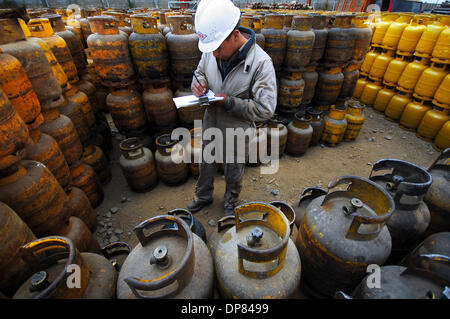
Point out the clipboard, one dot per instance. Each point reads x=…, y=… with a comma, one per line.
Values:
x=189, y=100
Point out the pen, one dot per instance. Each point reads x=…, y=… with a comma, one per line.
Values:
x=193, y=72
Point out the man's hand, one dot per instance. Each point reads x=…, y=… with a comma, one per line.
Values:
x=199, y=89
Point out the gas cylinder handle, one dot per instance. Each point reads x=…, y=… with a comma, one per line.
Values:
x=182, y=212
x=311, y=193
x=44, y=252
x=225, y=223
x=445, y=154
x=415, y=270
x=287, y=210
x=275, y=220
x=371, y=195
x=111, y=249
x=130, y=145
x=181, y=274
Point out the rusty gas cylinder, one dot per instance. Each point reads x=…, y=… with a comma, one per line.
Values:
x=138, y=165
x=194, y=224
x=432, y=254
x=355, y=120
x=14, y=136
x=290, y=92
x=340, y=41
x=254, y=23
x=299, y=134
x=407, y=185
x=14, y=233
x=94, y=157
x=148, y=48
x=351, y=75
x=182, y=45
x=50, y=258
x=299, y=45
x=108, y=49
x=329, y=85
x=167, y=251
x=275, y=39
x=305, y=198
x=159, y=107
x=363, y=35
x=81, y=206
x=73, y=94
x=78, y=232
x=33, y=192
x=316, y=123
x=73, y=111
x=194, y=151
x=335, y=126
x=259, y=236
x=84, y=177
x=33, y=60
x=289, y=213
x=276, y=132
x=345, y=231
x=188, y=114
x=41, y=28
x=310, y=76
x=74, y=43
x=127, y=111
x=320, y=36
x=44, y=148
x=15, y=84
x=62, y=129
x=171, y=168
x=438, y=196
x=88, y=88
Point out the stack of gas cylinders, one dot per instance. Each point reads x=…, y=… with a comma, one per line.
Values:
x=405, y=74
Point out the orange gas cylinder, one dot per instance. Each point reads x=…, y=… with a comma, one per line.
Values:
x=84, y=177
x=355, y=120
x=428, y=39
x=394, y=32
x=14, y=134
x=380, y=30
x=368, y=61
x=94, y=157
x=44, y=149
x=78, y=232
x=442, y=95
x=335, y=126
x=394, y=69
x=429, y=81
x=14, y=233
x=359, y=87
x=413, y=114
x=369, y=93
x=80, y=98
x=380, y=65
x=81, y=206
x=383, y=98
x=32, y=191
x=432, y=122
x=411, y=75
x=41, y=28
x=442, y=139
x=15, y=84
x=410, y=37
x=397, y=105
x=73, y=111
x=159, y=106
x=441, y=51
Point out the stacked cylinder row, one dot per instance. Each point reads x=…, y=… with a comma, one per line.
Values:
x=405, y=75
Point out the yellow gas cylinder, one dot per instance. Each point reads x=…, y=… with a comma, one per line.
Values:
x=396, y=106
x=442, y=139
x=432, y=122
x=429, y=37
x=369, y=93
x=382, y=99
x=411, y=75
x=381, y=28
x=394, y=32
x=441, y=51
x=442, y=95
x=359, y=87
x=414, y=113
x=394, y=69
x=410, y=37
x=367, y=63
x=429, y=81
x=380, y=65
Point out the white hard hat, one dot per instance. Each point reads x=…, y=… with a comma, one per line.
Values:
x=214, y=21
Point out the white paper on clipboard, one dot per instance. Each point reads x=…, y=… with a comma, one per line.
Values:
x=189, y=100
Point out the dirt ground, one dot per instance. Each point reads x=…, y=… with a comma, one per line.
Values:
x=378, y=139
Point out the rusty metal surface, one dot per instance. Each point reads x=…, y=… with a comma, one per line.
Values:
x=80, y=235
x=84, y=177
x=169, y=172
x=81, y=206
x=300, y=43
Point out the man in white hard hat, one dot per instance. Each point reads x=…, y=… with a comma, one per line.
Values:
x=235, y=67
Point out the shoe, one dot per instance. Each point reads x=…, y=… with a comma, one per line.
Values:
x=228, y=211
x=195, y=205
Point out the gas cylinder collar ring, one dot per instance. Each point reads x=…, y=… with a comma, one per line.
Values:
x=160, y=257
x=355, y=204
x=255, y=237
